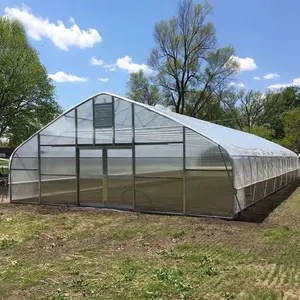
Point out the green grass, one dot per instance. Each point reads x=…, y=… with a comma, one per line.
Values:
x=63, y=253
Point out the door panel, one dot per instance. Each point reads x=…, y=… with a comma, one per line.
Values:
x=120, y=178
x=91, y=177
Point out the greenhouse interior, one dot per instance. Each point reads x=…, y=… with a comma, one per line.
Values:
x=112, y=152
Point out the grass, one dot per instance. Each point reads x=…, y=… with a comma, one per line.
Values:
x=70, y=253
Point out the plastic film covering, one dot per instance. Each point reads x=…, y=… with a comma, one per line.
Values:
x=60, y=132
x=123, y=121
x=91, y=177
x=120, y=178
x=150, y=127
x=159, y=160
x=24, y=186
x=159, y=194
x=24, y=172
x=85, y=123
x=208, y=187
x=58, y=175
x=58, y=189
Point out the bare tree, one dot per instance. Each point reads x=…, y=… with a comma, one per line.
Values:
x=186, y=59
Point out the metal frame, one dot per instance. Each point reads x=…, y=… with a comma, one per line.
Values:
x=133, y=154
x=77, y=160
x=39, y=167
x=110, y=144
x=94, y=132
x=184, y=170
x=113, y=120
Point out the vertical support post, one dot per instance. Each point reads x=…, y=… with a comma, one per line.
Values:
x=94, y=133
x=113, y=120
x=265, y=190
x=231, y=181
x=133, y=155
x=105, y=179
x=184, y=168
x=77, y=153
x=39, y=167
x=10, y=181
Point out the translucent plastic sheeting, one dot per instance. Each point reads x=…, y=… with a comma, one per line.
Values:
x=209, y=193
x=85, y=123
x=61, y=131
x=58, y=160
x=58, y=190
x=119, y=162
x=91, y=177
x=123, y=121
x=250, y=170
x=159, y=194
x=235, y=142
x=202, y=153
x=159, y=160
x=28, y=149
x=152, y=127
x=24, y=163
x=25, y=186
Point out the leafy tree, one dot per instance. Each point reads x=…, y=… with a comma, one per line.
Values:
x=264, y=132
x=26, y=93
x=186, y=58
x=141, y=89
x=291, y=121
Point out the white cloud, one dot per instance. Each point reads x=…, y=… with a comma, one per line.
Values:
x=246, y=64
x=96, y=62
x=63, y=37
x=277, y=86
x=271, y=76
x=240, y=84
x=256, y=78
x=102, y=79
x=110, y=67
x=125, y=63
x=63, y=77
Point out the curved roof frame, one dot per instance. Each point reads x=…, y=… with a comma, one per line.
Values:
x=171, y=116
x=148, y=107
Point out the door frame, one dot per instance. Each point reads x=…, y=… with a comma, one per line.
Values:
x=105, y=174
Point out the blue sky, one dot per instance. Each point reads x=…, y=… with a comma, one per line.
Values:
x=263, y=32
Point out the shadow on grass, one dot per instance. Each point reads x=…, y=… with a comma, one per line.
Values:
x=260, y=210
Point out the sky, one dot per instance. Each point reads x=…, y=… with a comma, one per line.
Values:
x=92, y=46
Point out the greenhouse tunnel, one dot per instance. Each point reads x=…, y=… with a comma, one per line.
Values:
x=112, y=152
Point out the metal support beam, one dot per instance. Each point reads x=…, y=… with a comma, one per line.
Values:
x=94, y=133
x=77, y=153
x=133, y=155
x=39, y=166
x=105, y=176
x=184, y=168
x=113, y=120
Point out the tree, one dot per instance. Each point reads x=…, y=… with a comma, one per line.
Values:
x=26, y=93
x=291, y=121
x=186, y=59
x=141, y=89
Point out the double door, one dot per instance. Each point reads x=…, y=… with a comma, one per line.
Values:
x=106, y=177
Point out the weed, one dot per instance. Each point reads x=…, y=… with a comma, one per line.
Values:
x=7, y=243
x=278, y=235
x=60, y=295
